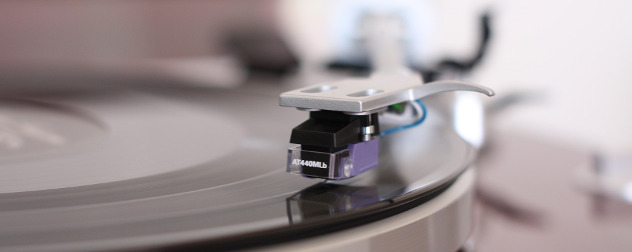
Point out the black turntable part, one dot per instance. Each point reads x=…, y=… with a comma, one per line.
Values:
x=355, y=68
x=469, y=64
x=327, y=129
x=315, y=227
x=430, y=73
x=262, y=50
x=316, y=171
x=328, y=198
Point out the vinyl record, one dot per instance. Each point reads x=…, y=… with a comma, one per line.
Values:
x=123, y=168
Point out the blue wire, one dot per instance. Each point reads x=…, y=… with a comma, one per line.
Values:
x=403, y=127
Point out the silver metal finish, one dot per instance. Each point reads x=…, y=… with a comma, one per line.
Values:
x=391, y=82
x=348, y=169
x=367, y=112
x=368, y=130
x=367, y=94
x=367, y=133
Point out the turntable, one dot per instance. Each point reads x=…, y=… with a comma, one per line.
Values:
x=126, y=164
x=144, y=168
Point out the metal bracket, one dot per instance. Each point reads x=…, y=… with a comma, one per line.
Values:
x=359, y=95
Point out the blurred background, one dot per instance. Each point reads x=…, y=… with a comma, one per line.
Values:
x=573, y=56
x=561, y=70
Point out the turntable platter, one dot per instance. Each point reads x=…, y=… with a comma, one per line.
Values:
x=145, y=168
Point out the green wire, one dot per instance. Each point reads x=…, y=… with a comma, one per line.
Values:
x=398, y=107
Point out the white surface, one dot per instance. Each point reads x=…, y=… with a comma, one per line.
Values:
x=578, y=55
